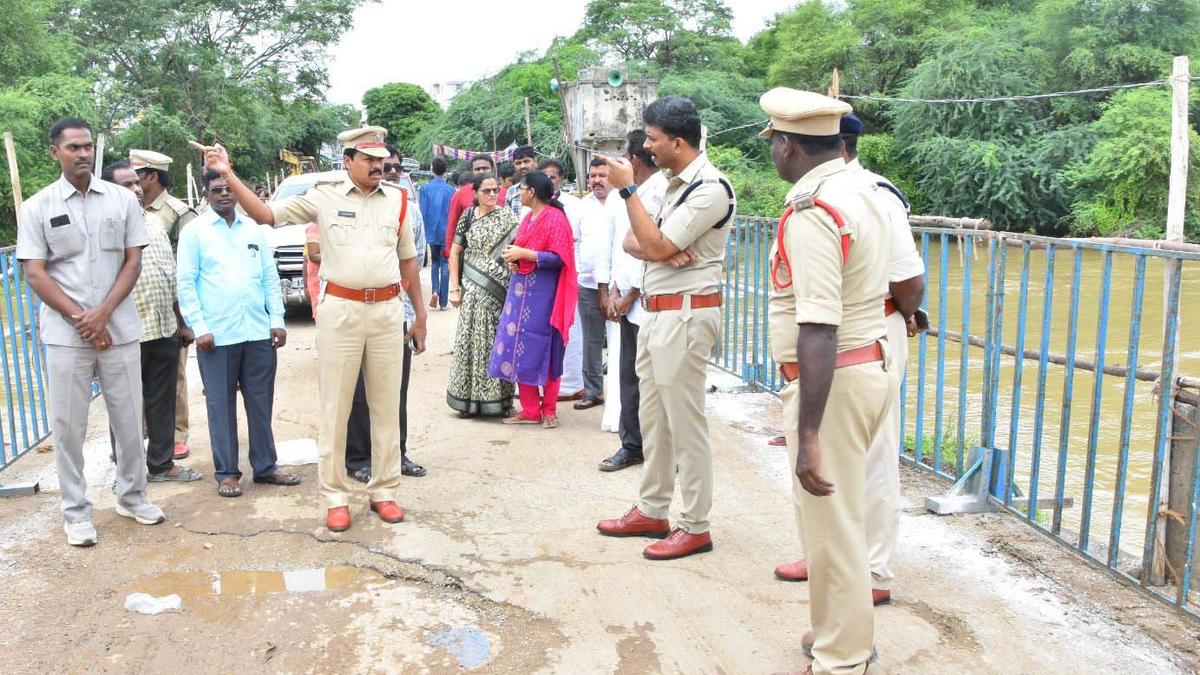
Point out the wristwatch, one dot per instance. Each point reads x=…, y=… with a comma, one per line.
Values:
x=627, y=191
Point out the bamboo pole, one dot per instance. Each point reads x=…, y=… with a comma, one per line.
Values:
x=191, y=187
x=99, y=166
x=14, y=174
x=528, y=126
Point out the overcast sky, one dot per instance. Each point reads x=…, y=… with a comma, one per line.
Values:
x=444, y=40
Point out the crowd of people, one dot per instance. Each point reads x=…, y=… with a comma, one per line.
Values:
x=544, y=284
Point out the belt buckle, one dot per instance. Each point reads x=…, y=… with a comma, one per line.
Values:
x=369, y=296
x=645, y=301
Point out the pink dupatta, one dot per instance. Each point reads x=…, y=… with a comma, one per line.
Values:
x=551, y=232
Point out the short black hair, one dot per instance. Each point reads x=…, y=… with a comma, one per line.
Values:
x=524, y=152
x=439, y=166
x=164, y=178
x=554, y=163
x=393, y=152
x=111, y=169
x=596, y=161
x=637, y=147
x=851, y=143
x=506, y=170
x=677, y=117
x=210, y=176
x=478, y=179
x=57, y=129
x=349, y=153
x=814, y=145
x=487, y=158
x=464, y=177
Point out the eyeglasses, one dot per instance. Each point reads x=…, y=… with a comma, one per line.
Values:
x=219, y=191
x=388, y=168
x=488, y=191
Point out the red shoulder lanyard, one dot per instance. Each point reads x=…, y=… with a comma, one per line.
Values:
x=781, y=256
x=403, y=209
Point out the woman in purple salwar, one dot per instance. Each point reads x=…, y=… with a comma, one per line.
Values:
x=540, y=305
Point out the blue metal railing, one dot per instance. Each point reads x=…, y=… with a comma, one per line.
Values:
x=1109, y=461
x=23, y=419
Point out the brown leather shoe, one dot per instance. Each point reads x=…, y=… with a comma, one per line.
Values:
x=793, y=571
x=389, y=512
x=678, y=544
x=634, y=524
x=880, y=597
x=337, y=519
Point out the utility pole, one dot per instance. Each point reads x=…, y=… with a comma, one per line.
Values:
x=528, y=126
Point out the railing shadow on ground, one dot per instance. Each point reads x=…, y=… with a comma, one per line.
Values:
x=1014, y=340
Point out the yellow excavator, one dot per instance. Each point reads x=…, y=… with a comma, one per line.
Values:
x=298, y=164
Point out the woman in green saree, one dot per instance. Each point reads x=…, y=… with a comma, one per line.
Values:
x=478, y=284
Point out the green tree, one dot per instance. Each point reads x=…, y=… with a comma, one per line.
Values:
x=1123, y=183
x=405, y=110
x=666, y=33
x=813, y=39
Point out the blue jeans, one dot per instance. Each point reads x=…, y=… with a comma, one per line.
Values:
x=439, y=274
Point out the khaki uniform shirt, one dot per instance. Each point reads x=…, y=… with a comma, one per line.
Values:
x=690, y=226
x=360, y=245
x=82, y=238
x=822, y=290
x=905, y=262
x=172, y=213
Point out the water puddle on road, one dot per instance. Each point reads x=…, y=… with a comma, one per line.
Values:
x=240, y=583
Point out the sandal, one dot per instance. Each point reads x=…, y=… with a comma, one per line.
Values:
x=184, y=475
x=229, y=488
x=411, y=468
x=362, y=475
x=520, y=418
x=588, y=403
x=550, y=423
x=279, y=478
x=621, y=459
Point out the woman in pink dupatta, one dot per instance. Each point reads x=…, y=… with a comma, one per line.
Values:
x=539, y=306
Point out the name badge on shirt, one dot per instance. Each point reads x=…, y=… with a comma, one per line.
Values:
x=345, y=214
x=59, y=221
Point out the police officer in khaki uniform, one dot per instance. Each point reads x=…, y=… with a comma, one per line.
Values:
x=367, y=260
x=152, y=170
x=906, y=287
x=684, y=249
x=828, y=281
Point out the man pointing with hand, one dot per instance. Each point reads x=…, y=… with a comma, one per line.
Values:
x=367, y=260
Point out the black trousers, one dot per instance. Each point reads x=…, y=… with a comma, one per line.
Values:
x=630, y=427
x=358, y=427
x=160, y=365
x=249, y=367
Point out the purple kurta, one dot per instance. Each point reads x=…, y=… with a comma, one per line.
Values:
x=528, y=349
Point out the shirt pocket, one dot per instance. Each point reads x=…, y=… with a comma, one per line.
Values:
x=386, y=235
x=112, y=234
x=341, y=233
x=65, y=241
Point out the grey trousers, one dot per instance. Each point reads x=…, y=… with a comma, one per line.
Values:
x=594, y=332
x=69, y=375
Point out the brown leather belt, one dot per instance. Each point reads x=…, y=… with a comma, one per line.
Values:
x=790, y=370
x=670, y=303
x=889, y=307
x=367, y=295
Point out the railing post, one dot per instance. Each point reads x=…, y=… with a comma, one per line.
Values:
x=1179, y=486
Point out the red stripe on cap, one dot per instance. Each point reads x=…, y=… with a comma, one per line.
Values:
x=360, y=146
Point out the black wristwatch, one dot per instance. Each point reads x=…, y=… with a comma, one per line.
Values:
x=627, y=191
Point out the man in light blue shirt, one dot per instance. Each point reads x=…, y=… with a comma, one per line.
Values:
x=229, y=297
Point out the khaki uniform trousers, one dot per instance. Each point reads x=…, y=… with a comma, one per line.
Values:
x=833, y=527
x=673, y=352
x=181, y=398
x=882, y=467
x=353, y=335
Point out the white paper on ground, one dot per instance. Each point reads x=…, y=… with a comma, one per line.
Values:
x=144, y=603
x=296, y=452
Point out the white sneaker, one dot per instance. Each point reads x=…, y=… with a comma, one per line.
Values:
x=81, y=533
x=145, y=513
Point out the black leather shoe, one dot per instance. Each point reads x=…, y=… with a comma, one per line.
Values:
x=622, y=459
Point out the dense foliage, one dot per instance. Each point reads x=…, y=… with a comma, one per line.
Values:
x=252, y=74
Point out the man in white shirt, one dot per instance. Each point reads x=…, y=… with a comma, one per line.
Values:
x=624, y=297
x=593, y=262
x=572, y=377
